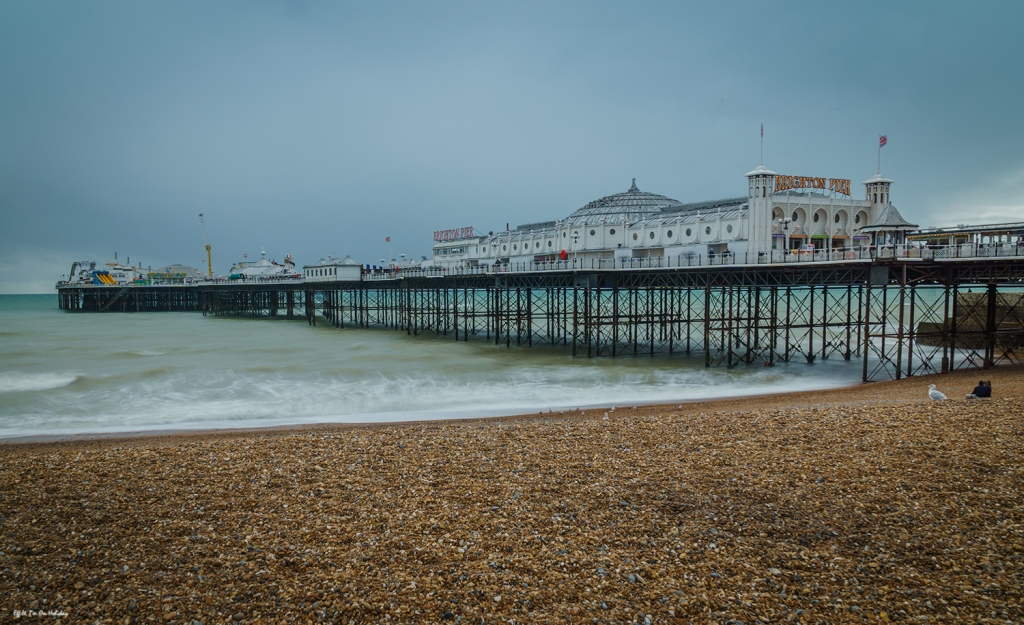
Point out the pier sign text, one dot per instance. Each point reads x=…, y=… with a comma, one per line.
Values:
x=455, y=233
x=838, y=185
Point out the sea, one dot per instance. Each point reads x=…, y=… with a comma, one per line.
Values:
x=64, y=374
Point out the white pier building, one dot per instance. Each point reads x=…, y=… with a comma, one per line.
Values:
x=778, y=212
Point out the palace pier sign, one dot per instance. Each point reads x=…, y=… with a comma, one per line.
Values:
x=838, y=185
x=453, y=234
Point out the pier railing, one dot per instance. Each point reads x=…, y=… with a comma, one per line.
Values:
x=774, y=257
x=725, y=259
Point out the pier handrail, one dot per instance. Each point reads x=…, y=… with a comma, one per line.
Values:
x=726, y=259
x=773, y=257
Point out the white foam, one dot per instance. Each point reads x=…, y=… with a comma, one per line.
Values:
x=26, y=382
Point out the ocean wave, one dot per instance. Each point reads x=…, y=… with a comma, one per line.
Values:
x=27, y=382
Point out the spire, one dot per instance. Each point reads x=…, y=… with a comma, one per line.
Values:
x=762, y=145
x=633, y=188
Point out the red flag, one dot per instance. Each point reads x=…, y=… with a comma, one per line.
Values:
x=882, y=140
x=245, y=256
x=387, y=239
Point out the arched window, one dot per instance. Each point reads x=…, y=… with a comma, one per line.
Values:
x=764, y=192
x=795, y=216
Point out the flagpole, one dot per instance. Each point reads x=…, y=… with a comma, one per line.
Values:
x=879, y=154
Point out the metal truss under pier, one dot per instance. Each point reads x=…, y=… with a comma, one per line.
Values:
x=900, y=318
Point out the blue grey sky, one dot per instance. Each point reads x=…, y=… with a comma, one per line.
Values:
x=322, y=128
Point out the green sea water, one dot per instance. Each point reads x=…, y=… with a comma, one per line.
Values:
x=70, y=373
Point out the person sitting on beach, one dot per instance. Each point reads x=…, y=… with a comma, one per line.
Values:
x=980, y=391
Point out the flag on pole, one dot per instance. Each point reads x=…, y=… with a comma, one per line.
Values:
x=387, y=239
x=245, y=256
x=882, y=140
x=762, y=130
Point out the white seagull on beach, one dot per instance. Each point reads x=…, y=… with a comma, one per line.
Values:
x=934, y=394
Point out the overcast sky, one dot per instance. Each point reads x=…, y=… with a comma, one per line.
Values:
x=322, y=128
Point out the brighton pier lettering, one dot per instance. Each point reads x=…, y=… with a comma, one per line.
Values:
x=455, y=233
x=838, y=185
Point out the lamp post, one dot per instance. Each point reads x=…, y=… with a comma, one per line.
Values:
x=575, y=239
x=784, y=222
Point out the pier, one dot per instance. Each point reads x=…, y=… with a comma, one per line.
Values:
x=899, y=316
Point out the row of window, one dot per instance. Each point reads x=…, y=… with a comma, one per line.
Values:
x=669, y=234
x=319, y=273
x=817, y=217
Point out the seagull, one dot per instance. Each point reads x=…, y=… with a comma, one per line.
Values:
x=934, y=394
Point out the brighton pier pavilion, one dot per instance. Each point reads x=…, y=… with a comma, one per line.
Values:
x=779, y=214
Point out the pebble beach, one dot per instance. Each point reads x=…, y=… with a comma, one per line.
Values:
x=868, y=504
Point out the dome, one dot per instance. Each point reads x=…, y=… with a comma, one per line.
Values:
x=633, y=204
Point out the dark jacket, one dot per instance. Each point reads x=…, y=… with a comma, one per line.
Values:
x=982, y=391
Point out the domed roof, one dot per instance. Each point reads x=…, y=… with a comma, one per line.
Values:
x=633, y=204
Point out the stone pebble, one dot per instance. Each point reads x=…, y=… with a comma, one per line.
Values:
x=543, y=520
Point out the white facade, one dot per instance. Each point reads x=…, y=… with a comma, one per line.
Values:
x=637, y=224
x=333, y=270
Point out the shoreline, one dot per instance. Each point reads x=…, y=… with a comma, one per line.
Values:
x=955, y=385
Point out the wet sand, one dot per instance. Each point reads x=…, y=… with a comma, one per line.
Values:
x=863, y=504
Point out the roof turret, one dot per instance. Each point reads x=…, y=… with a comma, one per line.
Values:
x=878, y=178
x=889, y=219
x=761, y=170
